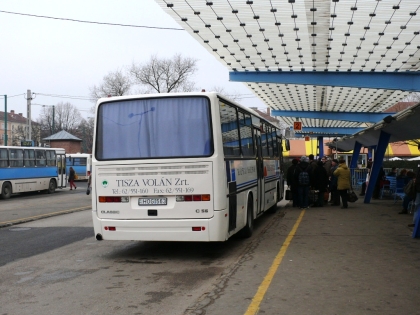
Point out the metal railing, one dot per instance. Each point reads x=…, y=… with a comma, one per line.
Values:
x=358, y=177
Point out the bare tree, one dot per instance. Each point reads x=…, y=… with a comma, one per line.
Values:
x=114, y=84
x=85, y=132
x=67, y=117
x=165, y=75
x=21, y=132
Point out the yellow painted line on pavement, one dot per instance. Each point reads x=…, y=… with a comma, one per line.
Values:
x=262, y=289
x=46, y=215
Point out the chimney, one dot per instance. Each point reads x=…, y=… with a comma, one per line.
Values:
x=12, y=112
x=269, y=111
x=20, y=114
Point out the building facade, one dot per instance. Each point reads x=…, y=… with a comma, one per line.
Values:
x=17, y=129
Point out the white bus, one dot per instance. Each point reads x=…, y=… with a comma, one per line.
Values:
x=182, y=167
x=81, y=163
x=24, y=169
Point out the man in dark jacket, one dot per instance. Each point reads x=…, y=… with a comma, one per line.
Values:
x=303, y=177
x=320, y=183
x=292, y=183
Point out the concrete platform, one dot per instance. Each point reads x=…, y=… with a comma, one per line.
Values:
x=360, y=260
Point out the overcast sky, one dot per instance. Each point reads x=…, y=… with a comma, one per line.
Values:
x=58, y=57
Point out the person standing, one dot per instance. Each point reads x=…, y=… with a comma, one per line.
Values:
x=312, y=162
x=343, y=181
x=320, y=183
x=327, y=164
x=292, y=183
x=379, y=183
x=335, y=196
x=72, y=176
x=303, y=177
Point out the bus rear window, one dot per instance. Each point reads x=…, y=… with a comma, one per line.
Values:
x=154, y=128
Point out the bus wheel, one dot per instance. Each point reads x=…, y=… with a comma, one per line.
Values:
x=51, y=187
x=6, y=191
x=249, y=227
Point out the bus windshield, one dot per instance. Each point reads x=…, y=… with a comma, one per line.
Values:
x=154, y=128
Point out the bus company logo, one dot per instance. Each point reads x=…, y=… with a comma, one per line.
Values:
x=105, y=183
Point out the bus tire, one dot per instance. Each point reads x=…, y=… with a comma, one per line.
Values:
x=6, y=190
x=249, y=227
x=51, y=186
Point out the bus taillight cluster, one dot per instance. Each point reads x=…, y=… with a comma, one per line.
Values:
x=193, y=198
x=112, y=199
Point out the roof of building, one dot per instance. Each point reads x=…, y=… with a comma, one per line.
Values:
x=14, y=118
x=62, y=135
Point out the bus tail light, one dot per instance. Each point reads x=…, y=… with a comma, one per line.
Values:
x=182, y=198
x=110, y=228
x=112, y=199
x=198, y=228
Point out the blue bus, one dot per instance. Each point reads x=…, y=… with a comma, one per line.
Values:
x=81, y=163
x=24, y=169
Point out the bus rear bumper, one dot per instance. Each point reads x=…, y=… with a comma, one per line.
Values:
x=214, y=229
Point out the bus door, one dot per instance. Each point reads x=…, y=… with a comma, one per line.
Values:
x=260, y=173
x=61, y=166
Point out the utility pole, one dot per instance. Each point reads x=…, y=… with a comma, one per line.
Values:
x=5, y=120
x=28, y=110
x=53, y=120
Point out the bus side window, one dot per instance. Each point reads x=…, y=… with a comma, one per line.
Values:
x=16, y=157
x=40, y=157
x=264, y=140
x=51, y=160
x=245, y=130
x=230, y=132
x=3, y=158
x=269, y=141
x=29, y=158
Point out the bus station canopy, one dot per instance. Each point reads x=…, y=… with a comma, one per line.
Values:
x=401, y=126
x=312, y=56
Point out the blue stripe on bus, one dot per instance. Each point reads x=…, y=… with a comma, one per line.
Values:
x=251, y=182
x=10, y=173
x=271, y=177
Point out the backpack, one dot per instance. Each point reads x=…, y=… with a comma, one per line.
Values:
x=303, y=178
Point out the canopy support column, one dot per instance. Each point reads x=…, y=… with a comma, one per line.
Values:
x=320, y=146
x=377, y=163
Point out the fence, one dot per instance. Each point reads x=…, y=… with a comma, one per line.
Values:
x=358, y=177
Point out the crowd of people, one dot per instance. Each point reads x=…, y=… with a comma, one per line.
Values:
x=318, y=182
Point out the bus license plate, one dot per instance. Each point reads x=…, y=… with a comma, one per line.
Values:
x=152, y=201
